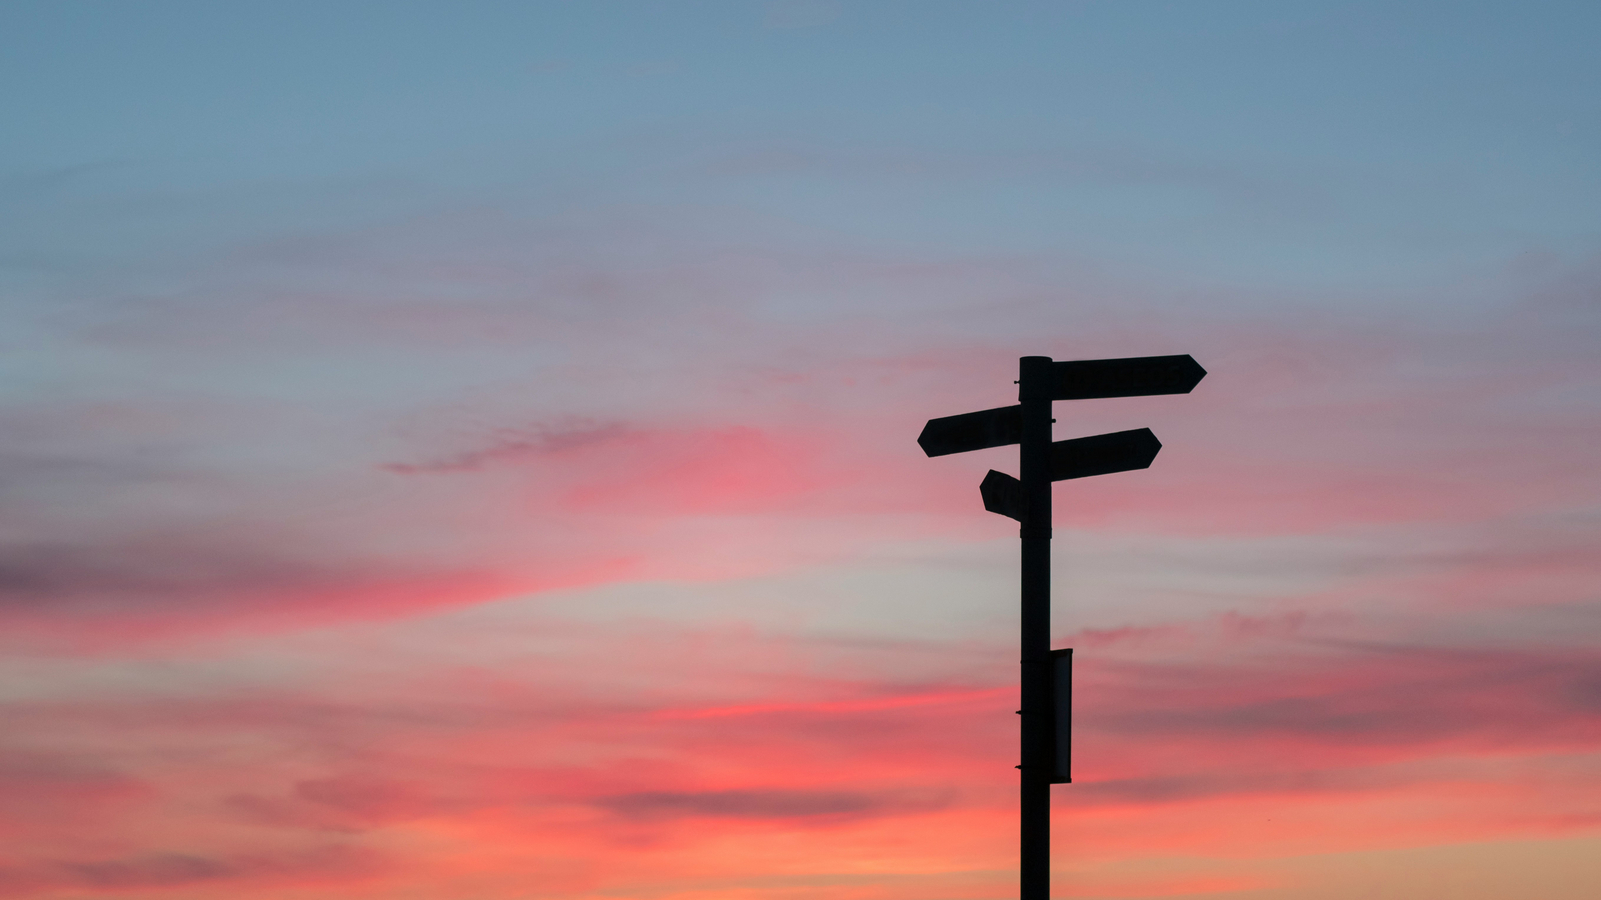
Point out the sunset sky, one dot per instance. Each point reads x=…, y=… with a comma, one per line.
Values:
x=466, y=451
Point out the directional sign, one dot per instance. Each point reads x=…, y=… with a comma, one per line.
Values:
x=1002, y=494
x=1103, y=454
x=1137, y=376
x=972, y=431
x=1047, y=676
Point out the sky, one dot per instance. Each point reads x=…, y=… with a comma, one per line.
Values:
x=467, y=451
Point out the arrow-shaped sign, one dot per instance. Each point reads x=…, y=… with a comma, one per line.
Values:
x=1137, y=376
x=1002, y=494
x=972, y=431
x=1101, y=454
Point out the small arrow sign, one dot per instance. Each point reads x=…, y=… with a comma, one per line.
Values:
x=1002, y=494
x=1103, y=454
x=1137, y=376
x=972, y=431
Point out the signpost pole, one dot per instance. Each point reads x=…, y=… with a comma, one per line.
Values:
x=1034, y=395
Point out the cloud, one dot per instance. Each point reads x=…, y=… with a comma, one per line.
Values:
x=657, y=471
x=98, y=596
x=321, y=865
x=514, y=445
x=49, y=795
x=744, y=804
x=1348, y=698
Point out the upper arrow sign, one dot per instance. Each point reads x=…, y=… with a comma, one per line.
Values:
x=1138, y=376
x=972, y=431
x=1103, y=454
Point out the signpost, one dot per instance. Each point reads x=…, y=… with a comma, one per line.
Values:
x=1047, y=675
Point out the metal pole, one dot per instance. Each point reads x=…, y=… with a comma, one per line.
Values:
x=1034, y=393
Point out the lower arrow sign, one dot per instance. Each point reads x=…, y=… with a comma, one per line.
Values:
x=1002, y=494
x=1101, y=454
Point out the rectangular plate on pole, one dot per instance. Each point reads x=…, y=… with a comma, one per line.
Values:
x=1103, y=454
x=1137, y=376
x=1061, y=716
x=972, y=431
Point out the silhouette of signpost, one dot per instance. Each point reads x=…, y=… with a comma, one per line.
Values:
x=1047, y=676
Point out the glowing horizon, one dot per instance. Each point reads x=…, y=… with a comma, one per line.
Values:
x=468, y=453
